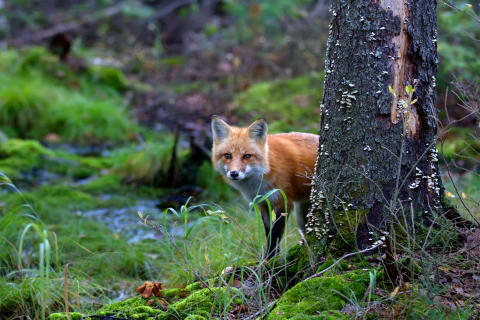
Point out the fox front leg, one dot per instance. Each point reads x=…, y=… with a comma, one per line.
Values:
x=273, y=229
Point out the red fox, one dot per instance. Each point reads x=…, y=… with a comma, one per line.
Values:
x=254, y=162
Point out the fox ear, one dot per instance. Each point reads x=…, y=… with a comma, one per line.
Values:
x=220, y=129
x=258, y=131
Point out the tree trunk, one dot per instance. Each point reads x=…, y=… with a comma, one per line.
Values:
x=377, y=160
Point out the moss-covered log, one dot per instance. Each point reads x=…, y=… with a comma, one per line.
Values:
x=377, y=159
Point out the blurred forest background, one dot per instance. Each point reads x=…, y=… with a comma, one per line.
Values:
x=105, y=112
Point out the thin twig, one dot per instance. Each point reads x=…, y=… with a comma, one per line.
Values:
x=93, y=18
x=351, y=254
x=262, y=311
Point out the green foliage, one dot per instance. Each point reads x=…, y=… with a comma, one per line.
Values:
x=464, y=193
x=20, y=109
x=212, y=182
x=286, y=104
x=112, y=77
x=151, y=162
x=202, y=302
x=457, y=46
x=460, y=144
x=262, y=17
x=42, y=96
x=18, y=155
x=421, y=304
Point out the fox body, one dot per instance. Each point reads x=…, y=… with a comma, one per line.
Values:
x=254, y=162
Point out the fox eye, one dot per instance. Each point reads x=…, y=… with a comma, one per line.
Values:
x=228, y=156
x=247, y=156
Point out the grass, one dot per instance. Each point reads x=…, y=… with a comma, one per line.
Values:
x=287, y=104
x=102, y=262
x=46, y=226
x=41, y=96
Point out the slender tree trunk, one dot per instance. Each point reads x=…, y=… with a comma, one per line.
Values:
x=377, y=160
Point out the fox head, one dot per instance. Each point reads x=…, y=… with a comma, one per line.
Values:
x=240, y=153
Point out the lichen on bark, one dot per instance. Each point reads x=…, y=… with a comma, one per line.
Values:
x=370, y=163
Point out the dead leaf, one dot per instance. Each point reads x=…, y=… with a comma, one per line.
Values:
x=241, y=308
x=150, y=288
x=236, y=283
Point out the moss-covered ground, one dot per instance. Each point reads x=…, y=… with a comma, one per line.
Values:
x=84, y=210
x=73, y=177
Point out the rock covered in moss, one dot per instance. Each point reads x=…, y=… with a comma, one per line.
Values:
x=203, y=302
x=113, y=77
x=315, y=298
x=23, y=148
x=183, y=304
x=63, y=316
x=18, y=155
x=135, y=308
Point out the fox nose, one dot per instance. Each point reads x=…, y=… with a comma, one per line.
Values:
x=234, y=174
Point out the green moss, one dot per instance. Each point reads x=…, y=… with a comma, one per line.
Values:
x=292, y=267
x=194, y=286
x=109, y=183
x=79, y=173
x=195, y=317
x=17, y=156
x=135, y=308
x=113, y=77
x=198, y=304
x=63, y=316
x=22, y=148
x=310, y=297
x=346, y=224
x=38, y=58
x=175, y=293
x=202, y=302
x=288, y=104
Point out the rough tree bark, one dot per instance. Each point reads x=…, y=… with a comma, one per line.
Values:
x=377, y=158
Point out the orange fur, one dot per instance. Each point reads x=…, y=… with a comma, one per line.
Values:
x=278, y=161
x=255, y=163
x=292, y=159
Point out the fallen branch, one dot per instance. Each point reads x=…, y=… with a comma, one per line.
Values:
x=69, y=26
x=90, y=19
x=262, y=311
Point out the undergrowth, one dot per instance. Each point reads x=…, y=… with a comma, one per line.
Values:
x=40, y=96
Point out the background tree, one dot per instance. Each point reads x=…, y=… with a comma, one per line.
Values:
x=377, y=160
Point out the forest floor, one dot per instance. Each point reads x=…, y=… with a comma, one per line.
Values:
x=89, y=180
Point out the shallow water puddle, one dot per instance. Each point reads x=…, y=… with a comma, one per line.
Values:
x=125, y=221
